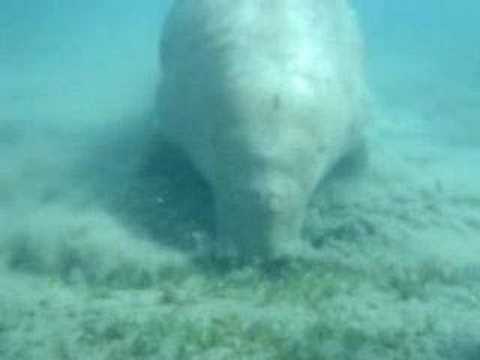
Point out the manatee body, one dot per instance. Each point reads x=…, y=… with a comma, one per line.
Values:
x=265, y=97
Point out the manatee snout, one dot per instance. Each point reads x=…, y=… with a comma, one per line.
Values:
x=261, y=219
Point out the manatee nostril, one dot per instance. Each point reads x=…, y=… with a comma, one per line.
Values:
x=270, y=201
x=276, y=103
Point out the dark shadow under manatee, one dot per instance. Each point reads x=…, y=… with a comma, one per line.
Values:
x=350, y=166
x=148, y=184
x=167, y=199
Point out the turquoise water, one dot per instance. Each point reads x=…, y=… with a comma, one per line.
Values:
x=103, y=227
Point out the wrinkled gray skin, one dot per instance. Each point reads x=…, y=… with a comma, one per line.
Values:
x=265, y=96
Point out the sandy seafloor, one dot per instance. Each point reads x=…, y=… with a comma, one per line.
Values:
x=97, y=235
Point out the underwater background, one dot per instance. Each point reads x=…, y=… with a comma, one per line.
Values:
x=99, y=222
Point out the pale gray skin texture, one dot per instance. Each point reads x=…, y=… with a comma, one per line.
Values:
x=265, y=96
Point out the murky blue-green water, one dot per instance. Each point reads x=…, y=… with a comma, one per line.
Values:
x=103, y=228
